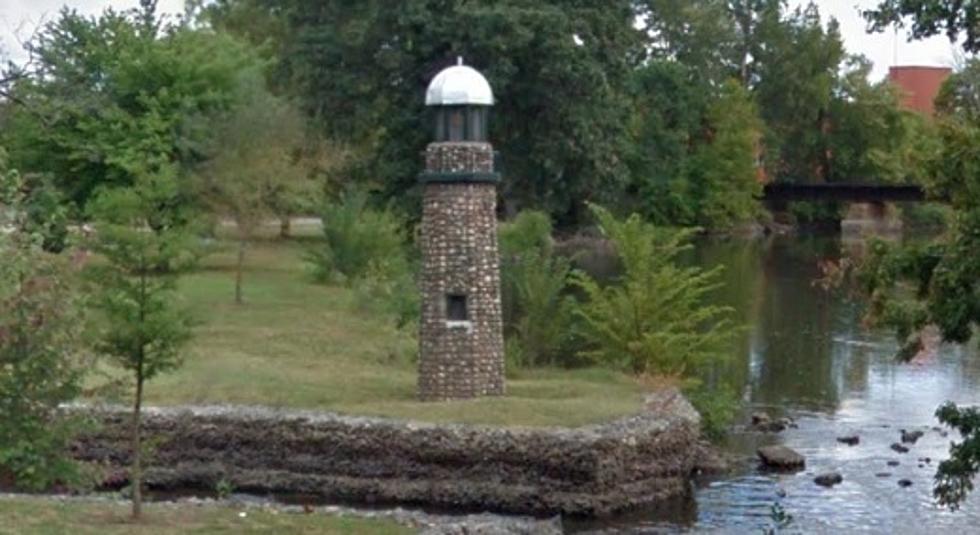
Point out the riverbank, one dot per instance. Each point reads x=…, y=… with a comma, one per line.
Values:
x=593, y=470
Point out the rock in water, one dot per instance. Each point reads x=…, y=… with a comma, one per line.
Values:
x=762, y=422
x=829, y=479
x=899, y=448
x=850, y=440
x=883, y=474
x=911, y=437
x=893, y=463
x=780, y=457
x=904, y=482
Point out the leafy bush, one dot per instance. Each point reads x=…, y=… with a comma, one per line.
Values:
x=356, y=237
x=529, y=231
x=536, y=304
x=652, y=319
x=40, y=366
x=716, y=405
x=391, y=287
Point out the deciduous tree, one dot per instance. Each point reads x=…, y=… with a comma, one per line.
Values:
x=143, y=236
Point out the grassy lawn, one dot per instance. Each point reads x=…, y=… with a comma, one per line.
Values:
x=22, y=516
x=298, y=344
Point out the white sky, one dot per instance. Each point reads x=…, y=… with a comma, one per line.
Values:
x=18, y=18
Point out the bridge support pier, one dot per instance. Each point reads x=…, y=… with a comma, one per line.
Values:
x=866, y=219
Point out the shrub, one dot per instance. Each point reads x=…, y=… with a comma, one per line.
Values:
x=534, y=285
x=40, y=365
x=355, y=238
x=653, y=318
x=391, y=287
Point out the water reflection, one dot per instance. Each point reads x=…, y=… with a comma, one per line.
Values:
x=805, y=355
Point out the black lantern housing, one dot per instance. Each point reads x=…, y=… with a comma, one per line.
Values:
x=461, y=123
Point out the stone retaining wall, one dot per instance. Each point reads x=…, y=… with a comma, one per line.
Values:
x=595, y=470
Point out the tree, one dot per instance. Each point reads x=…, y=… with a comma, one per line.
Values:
x=99, y=90
x=652, y=320
x=794, y=74
x=955, y=18
x=563, y=62
x=960, y=95
x=670, y=105
x=258, y=166
x=41, y=351
x=144, y=238
x=537, y=307
x=871, y=137
x=723, y=169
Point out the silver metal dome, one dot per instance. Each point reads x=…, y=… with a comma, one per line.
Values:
x=459, y=85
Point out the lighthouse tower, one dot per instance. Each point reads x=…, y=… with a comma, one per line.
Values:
x=461, y=340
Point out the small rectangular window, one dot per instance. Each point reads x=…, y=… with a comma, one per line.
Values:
x=456, y=308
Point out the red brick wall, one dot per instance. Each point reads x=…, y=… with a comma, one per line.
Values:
x=919, y=86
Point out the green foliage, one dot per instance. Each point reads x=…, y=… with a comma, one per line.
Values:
x=527, y=49
x=147, y=244
x=105, y=92
x=391, y=288
x=142, y=233
x=357, y=239
x=259, y=165
x=872, y=136
x=780, y=519
x=954, y=18
x=960, y=95
x=717, y=406
x=224, y=488
x=534, y=287
x=723, y=170
x=653, y=319
x=530, y=230
x=41, y=359
x=954, y=477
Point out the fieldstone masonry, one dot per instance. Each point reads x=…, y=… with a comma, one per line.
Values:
x=595, y=470
x=461, y=350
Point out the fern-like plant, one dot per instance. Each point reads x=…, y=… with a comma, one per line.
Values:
x=654, y=319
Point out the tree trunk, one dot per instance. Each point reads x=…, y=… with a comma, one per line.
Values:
x=238, y=271
x=285, y=226
x=136, y=471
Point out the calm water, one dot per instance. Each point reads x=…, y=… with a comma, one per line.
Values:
x=805, y=356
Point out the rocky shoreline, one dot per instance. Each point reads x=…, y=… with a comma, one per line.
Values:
x=590, y=471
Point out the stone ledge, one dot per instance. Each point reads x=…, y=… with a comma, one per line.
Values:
x=593, y=470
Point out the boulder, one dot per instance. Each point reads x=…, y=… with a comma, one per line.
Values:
x=762, y=422
x=759, y=418
x=850, y=440
x=904, y=483
x=893, y=463
x=780, y=457
x=899, y=448
x=911, y=437
x=829, y=479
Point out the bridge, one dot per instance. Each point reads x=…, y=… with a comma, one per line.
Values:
x=778, y=192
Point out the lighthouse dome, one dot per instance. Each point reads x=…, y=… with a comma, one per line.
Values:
x=459, y=85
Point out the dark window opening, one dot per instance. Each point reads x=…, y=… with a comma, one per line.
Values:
x=456, y=308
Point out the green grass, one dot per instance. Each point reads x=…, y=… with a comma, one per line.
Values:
x=23, y=516
x=302, y=345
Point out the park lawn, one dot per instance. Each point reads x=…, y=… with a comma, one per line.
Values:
x=24, y=516
x=297, y=344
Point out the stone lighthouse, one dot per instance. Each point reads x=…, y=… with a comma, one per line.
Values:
x=461, y=340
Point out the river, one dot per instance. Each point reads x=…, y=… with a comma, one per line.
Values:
x=805, y=356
